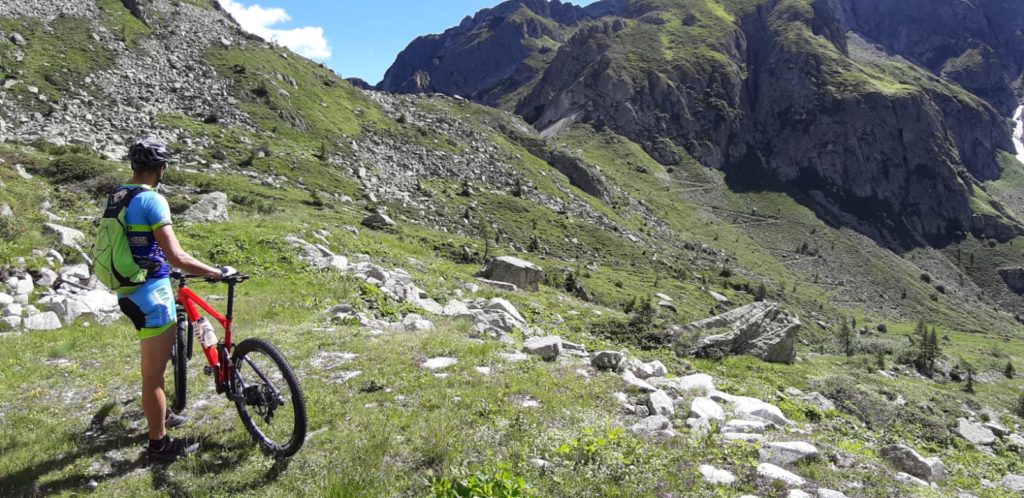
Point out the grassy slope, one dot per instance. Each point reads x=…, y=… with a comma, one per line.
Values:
x=392, y=442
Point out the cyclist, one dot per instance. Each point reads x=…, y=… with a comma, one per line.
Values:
x=151, y=305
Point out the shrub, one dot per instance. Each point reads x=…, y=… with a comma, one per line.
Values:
x=89, y=173
x=489, y=483
x=875, y=410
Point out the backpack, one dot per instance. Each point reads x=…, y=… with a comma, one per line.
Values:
x=114, y=264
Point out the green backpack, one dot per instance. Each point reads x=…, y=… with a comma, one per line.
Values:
x=113, y=261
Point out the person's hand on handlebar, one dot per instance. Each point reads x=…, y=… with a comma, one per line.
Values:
x=225, y=272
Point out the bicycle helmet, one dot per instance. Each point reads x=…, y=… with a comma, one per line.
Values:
x=149, y=152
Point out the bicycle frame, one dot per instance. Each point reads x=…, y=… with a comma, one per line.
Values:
x=220, y=362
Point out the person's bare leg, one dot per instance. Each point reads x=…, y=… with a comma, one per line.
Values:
x=156, y=351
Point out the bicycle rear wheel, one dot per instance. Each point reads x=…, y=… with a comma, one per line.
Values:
x=271, y=404
x=179, y=364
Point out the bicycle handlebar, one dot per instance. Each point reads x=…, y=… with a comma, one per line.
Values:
x=237, y=278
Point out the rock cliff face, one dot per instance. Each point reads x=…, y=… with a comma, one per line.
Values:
x=858, y=109
x=488, y=54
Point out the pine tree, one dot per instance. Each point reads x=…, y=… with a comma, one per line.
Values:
x=880, y=360
x=846, y=336
x=969, y=370
x=933, y=348
x=1010, y=372
x=920, y=340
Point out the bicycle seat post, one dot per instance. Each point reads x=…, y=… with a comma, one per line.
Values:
x=231, y=300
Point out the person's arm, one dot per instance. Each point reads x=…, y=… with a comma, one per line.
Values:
x=179, y=258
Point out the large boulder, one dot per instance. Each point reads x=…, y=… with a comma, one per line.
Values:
x=212, y=207
x=43, y=321
x=759, y=329
x=512, y=270
x=786, y=453
x=68, y=237
x=905, y=459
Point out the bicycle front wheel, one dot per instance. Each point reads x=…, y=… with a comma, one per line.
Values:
x=179, y=364
x=270, y=402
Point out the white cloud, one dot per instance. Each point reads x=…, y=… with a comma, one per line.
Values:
x=308, y=41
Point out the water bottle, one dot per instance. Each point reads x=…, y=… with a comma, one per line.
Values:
x=204, y=333
x=207, y=339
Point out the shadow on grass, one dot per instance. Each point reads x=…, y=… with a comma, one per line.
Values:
x=110, y=439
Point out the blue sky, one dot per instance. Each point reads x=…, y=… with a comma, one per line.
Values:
x=354, y=37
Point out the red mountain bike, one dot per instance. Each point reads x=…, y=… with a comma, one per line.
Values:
x=253, y=374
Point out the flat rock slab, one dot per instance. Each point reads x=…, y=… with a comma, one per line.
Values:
x=975, y=433
x=775, y=473
x=514, y=357
x=439, y=363
x=1013, y=482
x=745, y=427
x=787, y=453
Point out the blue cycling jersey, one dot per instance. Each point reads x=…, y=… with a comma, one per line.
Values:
x=147, y=212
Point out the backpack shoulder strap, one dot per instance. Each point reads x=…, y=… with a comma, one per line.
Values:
x=119, y=200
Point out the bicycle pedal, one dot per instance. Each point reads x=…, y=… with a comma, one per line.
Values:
x=207, y=370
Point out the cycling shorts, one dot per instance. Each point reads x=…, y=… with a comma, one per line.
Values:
x=150, y=307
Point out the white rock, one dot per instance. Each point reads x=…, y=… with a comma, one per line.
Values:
x=1013, y=482
x=776, y=473
x=439, y=363
x=9, y=323
x=14, y=309
x=707, y=409
x=739, y=436
x=660, y=403
x=797, y=493
x=5, y=299
x=210, y=208
x=828, y=493
x=975, y=433
x=67, y=236
x=786, y=453
x=416, y=323
x=745, y=427
x=514, y=357
x=909, y=480
x=718, y=477
x=702, y=384
x=43, y=321
x=648, y=370
x=635, y=383
x=78, y=271
x=20, y=286
x=499, y=304
x=47, y=277
x=752, y=407
x=652, y=424
x=718, y=297
x=483, y=370
x=547, y=348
